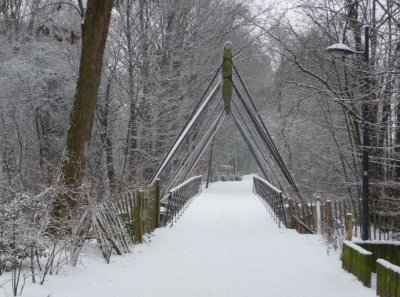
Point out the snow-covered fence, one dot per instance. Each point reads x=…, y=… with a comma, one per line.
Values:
x=384, y=260
x=301, y=217
x=109, y=230
x=333, y=220
x=272, y=196
x=385, y=219
x=357, y=261
x=389, y=251
x=140, y=211
x=387, y=279
x=179, y=197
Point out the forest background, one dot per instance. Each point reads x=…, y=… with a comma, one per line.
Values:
x=158, y=60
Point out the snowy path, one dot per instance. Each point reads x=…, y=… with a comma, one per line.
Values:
x=226, y=244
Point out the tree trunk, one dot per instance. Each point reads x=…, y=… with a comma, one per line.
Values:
x=103, y=112
x=94, y=36
x=130, y=154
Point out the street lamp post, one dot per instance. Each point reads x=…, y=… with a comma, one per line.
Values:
x=341, y=50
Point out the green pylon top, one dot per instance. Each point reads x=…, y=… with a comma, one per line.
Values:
x=227, y=84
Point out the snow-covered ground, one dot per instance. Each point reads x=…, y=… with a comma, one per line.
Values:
x=225, y=244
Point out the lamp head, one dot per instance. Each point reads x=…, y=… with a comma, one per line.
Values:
x=340, y=50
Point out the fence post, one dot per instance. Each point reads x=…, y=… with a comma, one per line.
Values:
x=157, y=204
x=349, y=226
x=360, y=216
x=291, y=213
x=329, y=219
x=318, y=209
x=138, y=216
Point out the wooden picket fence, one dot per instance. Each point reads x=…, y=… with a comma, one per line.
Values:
x=140, y=211
x=109, y=230
x=329, y=218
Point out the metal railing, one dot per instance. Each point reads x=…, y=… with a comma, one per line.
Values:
x=271, y=196
x=179, y=197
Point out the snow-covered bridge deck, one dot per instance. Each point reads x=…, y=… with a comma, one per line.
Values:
x=226, y=244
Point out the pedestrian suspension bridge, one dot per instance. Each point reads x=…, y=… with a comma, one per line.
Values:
x=226, y=98
x=224, y=246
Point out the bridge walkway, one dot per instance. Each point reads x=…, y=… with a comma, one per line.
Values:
x=225, y=244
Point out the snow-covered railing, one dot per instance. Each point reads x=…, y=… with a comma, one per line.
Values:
x=387, y=279
x=357, y=261
x=364, y=257
x=387, y=250
x=272, y=196
x=179, y=197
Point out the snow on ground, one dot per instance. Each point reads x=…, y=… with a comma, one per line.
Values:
x=225, y=244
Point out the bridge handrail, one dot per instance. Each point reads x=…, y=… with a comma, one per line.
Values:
x=179, y=197
x=185, y=183
x=268, y=184
x=271, y=196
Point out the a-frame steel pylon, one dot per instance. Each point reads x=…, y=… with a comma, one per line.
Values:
x=207, y=118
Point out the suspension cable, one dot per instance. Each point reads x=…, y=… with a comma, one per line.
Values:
x=191, y=122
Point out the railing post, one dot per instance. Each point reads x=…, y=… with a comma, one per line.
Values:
x=291, y=214
x=283, y=210
x=138, y=216
x=172, y=207
x=329, y=219
x=349, y=226
x=157, y=203
x=168, y=208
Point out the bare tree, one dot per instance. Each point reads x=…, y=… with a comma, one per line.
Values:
x=94, y=36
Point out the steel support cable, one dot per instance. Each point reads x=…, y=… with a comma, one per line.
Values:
x=204, y=94
x=265, y=159
x=199, y=134
x=251, y=148
x=256, y=113
x=201, y=99
x=183, y=134
x=202, y=143
x=267, y=141
x=254, y=143
x=190, y=165
x=260, y=135
x=258, y=141
x=259, y=130
x=264, y=128
x=196, y=154
x=189, y=154
x=275, y=154
x=272, y=171
x=201, y=152
x=254, y=106
x=185, y=131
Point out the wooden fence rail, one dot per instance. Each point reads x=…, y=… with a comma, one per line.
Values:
x=387, y=279
x=357, y=261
